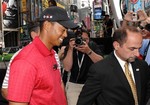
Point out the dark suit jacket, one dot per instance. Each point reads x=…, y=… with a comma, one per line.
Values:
x=107, y=83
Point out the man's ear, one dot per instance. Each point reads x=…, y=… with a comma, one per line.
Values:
x=46, y=25
x=116, y=45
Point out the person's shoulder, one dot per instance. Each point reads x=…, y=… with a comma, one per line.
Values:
x=105, y=61
x=27, y=52
x=140, y=62
x=28, y=55
x=27, y=47
x=102, y=66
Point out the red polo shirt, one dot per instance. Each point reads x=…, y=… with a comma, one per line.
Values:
x=33, y=77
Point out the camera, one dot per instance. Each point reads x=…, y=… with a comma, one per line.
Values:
x=134, y=16
x=79, y=41
x=78, y=37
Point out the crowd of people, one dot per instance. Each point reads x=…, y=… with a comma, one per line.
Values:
x=143, y=25
x=34, y=74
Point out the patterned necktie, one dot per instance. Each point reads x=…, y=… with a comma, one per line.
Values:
x=131, y=83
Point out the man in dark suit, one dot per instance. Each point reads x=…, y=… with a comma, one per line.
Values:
x=107, y=82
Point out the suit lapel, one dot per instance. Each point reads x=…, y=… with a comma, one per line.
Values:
x=120, y=74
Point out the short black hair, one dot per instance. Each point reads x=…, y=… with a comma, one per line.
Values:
x=106, y=15
x=53, y=2
x=33, y=26
x=86, y=31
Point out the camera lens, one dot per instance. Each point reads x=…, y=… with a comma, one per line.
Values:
x=79, y=41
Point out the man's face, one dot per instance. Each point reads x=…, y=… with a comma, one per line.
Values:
x=56, y=33
x=85, y=37
x=129, y=50
x=145, y=34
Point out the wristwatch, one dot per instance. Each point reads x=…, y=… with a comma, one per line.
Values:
x=141, y=27
x=89, y=53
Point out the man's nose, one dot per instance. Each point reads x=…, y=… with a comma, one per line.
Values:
x=137, y=53
x=65, y=33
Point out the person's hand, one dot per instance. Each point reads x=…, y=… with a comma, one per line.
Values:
x=147, y=20
x=128, y=16
x=142, y=15
x=84, y=48
x=61, y=52
x=71, y=43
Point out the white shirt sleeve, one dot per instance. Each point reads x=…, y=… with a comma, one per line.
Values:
x=6, y=78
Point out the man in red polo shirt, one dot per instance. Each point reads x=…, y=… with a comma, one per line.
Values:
x=34, y=75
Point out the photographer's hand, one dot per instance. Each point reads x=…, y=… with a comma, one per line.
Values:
x=84, y=48
x=142, y=15
x=71, y=43
x=68, y=59
x=128, y=16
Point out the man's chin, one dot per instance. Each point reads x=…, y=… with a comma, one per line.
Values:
x=58, y=44
x=131, y=59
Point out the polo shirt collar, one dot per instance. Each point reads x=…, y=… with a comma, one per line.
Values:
x=42, y=48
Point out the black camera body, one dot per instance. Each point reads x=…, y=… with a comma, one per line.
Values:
x=78, y=37
x=79, y=41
